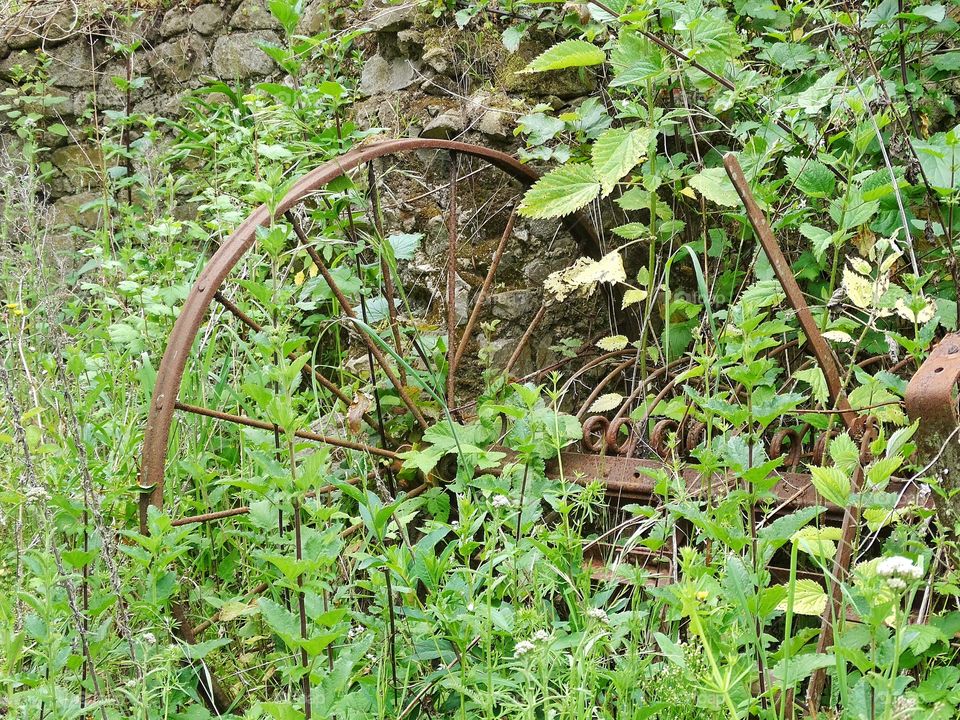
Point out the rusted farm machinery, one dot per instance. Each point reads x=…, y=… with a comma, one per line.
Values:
x=481, y=188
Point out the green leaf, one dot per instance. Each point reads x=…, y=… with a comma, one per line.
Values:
x=635, y=60
x=616, y=152
x=811, y=177
x=560, y=192
x=405, y=244
x=201, y=650
x=274, y=152
x=832, y=483
x=280, y=620
x=821, y=239
x=795, y=669
x=567, y=54
x=716, y=187
x=818, y=383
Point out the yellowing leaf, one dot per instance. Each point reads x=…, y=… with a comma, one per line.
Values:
x=716, y=187
x=861, y=265
x=606, y=402
x=298, y=279
x=838, y=336
x=910, y=312
x=582, y=277
x=633, y=296
x=809, y=598
x=613, y=342
x=688, y=192
x=858, y=288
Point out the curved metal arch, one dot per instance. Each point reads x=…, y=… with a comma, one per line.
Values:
x=180, y=342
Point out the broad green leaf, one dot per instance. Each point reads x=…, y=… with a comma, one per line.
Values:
x=280, y=620
x=818, y=383
x=811, y=177
x=566, y=54
x=844, y=453
x=632, y=231
x=616, y=152
x=560, y=192
x=821, y=239
x=798, y=668
x=832, y=483
x=405, y=245
x=635, y=60
x=716, y=187
x=202, y=649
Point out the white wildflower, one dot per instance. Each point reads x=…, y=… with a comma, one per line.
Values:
x=522, y=648
x=541, y=636
x=37, y=493
x=899, y=570
x=598, y=614
x=150, y=638
x=470, y=607
x=500, y=501
x=355, y=631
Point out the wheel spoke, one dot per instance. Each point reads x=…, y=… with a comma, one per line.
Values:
x=452, y=283
x=302, y=434
x=348, y=311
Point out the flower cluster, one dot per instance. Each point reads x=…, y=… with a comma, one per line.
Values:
x=500, y=501
x=898, y=570
x=525, y=646
x=598, y=614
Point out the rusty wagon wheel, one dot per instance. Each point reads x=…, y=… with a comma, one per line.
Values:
x=321, y=267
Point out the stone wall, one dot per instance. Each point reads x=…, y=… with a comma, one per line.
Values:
x=420, y=77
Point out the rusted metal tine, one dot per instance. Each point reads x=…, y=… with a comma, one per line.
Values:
x=841, y=566
x=484, y=289
x=525, y=338
x=781, y=268
x=389, y=290
x=303, y=434
x=452, y=283
x=307, y=369
x=348, y=311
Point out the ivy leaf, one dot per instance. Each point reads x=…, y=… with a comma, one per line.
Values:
x=567, y=54
x=832, y=483
x=560, y=192
x=716, y=187
x=616, y=152
x=809, y=598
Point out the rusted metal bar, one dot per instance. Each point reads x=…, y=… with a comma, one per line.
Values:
x=525, y=339
x=385, y=271
x=841, y=566
x=348, y=311
x=484, y=289
x=303, y=434
x=931, y=398
x=781, y=268
x=452, y=283
x=628, y=478
x=212, y=692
